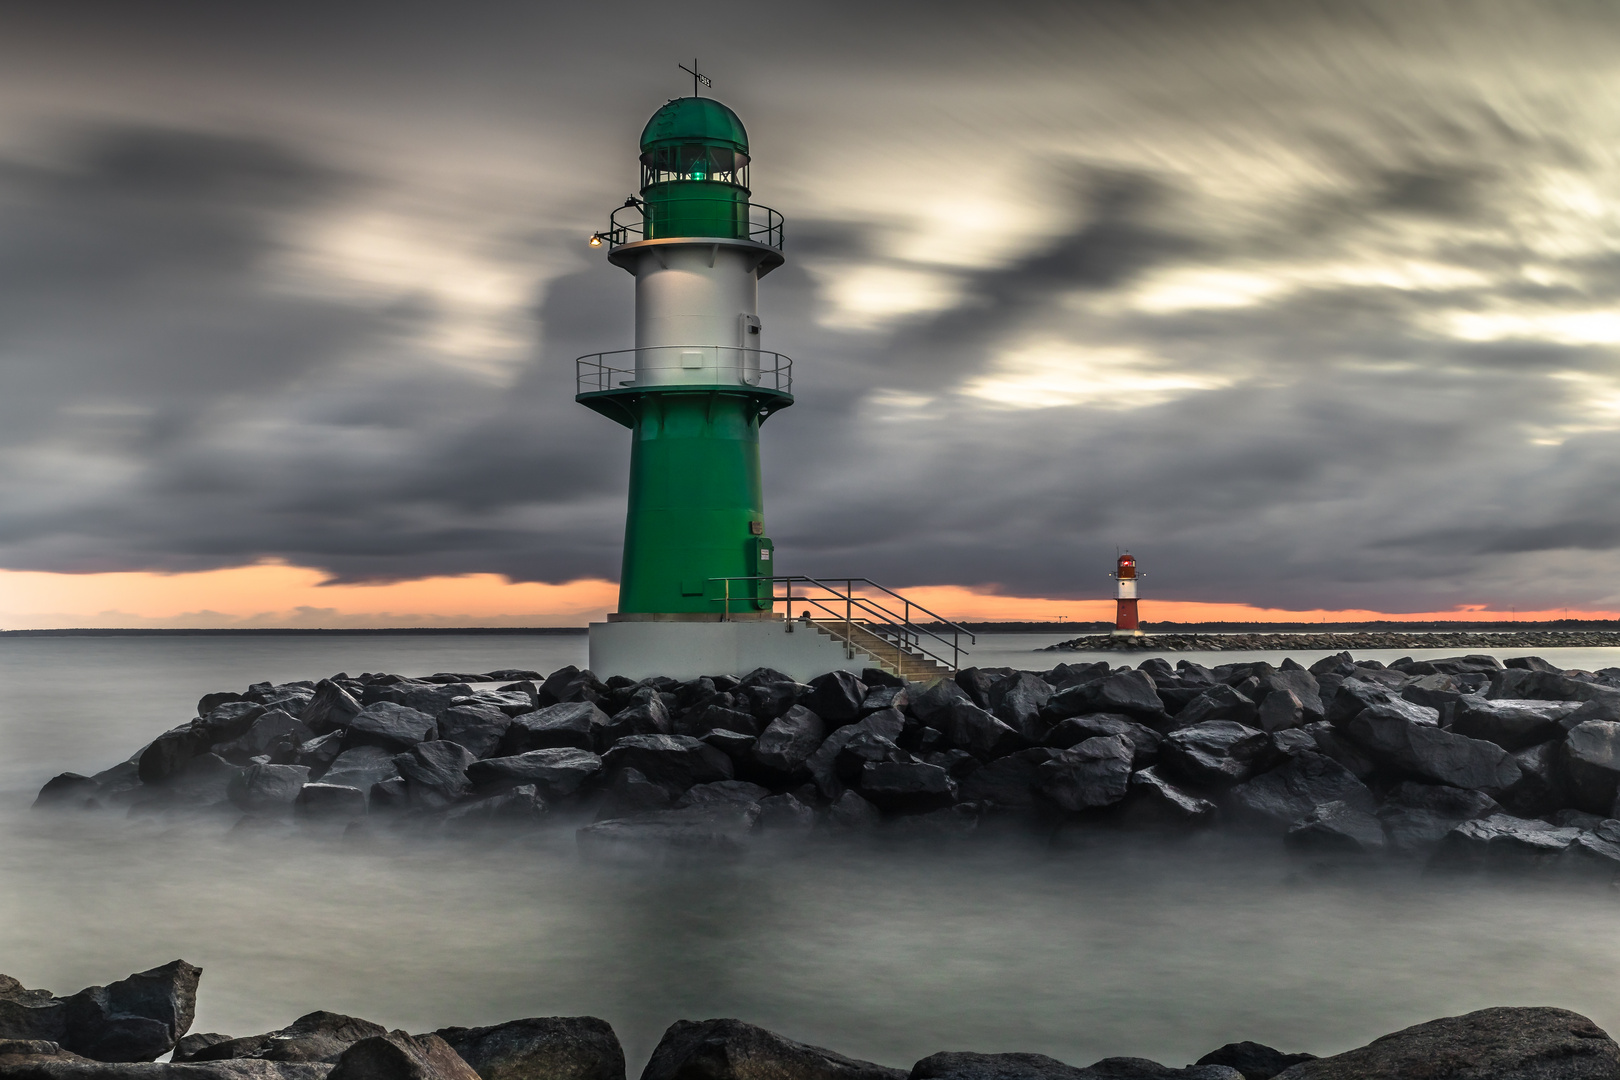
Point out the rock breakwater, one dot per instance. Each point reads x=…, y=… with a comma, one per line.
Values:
x=43, y=1037
x=1465, y=762
x=1352, y=641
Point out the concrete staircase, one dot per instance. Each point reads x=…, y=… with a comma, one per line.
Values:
x=896, y=659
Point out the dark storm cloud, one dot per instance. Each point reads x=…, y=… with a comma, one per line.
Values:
x=210, y=351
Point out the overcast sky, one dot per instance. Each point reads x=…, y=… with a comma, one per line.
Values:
x=1308, y=305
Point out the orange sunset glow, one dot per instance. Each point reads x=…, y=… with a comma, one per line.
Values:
x=278, y=595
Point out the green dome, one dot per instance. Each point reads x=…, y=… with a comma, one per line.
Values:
x=694, y=120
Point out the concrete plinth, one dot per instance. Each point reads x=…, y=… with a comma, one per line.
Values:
x=686, y=650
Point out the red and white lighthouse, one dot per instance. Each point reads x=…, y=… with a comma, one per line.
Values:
x=1125, y=596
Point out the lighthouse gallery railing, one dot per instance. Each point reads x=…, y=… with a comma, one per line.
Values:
x=675, y=365
x=628, y=224
x=838, y=601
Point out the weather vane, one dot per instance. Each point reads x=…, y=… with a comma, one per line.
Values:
x=696, y=77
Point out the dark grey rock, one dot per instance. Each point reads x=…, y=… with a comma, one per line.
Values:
x=134, y=1019
x=1510, y=724
x=540, y=1048
x=66, y=790
x=569, y=684
x=480, y=728
x=968, y=1065
x=822, y=765
x=1500, y=840
x=197, y=1041
x=1153, y=802
x=728, y=792
x=1547, y=686
x=330, y=801
x=785, y=813
x=717, y=717
x=267, y=789
x=1017, y=701
x=968, y=727
x=647, y=715
x=768, y=700
x=520, y=805
x=1590, y=855
x=1421, y=748
x=906, y=786
x=318, y=754
x=1077, y=729
x=862, y=749
x=1302, y=684
x=1007, y=783
x=1218, y=703
x=30, y=1014
x=1330, y=743
x=836, y=698
x=170, y=752
x=398, y=1056
x=1416, y=816
x=1288, y=793
x=736, y=745
x=1542, y=786
x=205, y=780
x=1491, y=1044
x=630, y=794
x=787, y=742
x=558, y=772
x=361, y=767
x=852, y=813
x=1216, y=753
x=578, y=724
x=674, y=762
x=313, y=1037
x=1337, y=827
x=1091, y=774
x=1591, y=759
x=932, y=701
x=879, y=698
x=435, y=773
x=1281, y=709
x=733, y=1050
x=1256, y=1061
x=331, y=708
x=275, y=727
x=390, y=726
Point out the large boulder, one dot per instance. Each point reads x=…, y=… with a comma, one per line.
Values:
x=390, y=726
x=1017, y=701
x=435, y=773
x=361, y=767
x=331, y=801
x=1281, y=797
x=1337, y=828
x=398, y=1056
x=734, y=1050
x=1419, y=747
x=1256, y=1061
x=966, y=1065
x=1547, y=686
x=557, y=772
x=736, y=793
x=1133, y=693
x=267, y=789
x=480, y=728
x=930, y=703
x=1591, y=758
x=169, y=752
x=823, y=764
x=30, y=1014
x=1500, y=840
x=968, y=727
x=674, y=762
x=1007, y=783
x=1509, y=723
x=134, y=1019
x=316, y=1036
x=1215, y=753
x=835, y=697
x=540, y=1048
x=1299, y=682
x=1077, y=729
x=906, y=786
x=1280, y=710
x=1416, y=816
x=277, y=733
x=1219, y=702
x=331, y=708
x=1152, y=802
x=1091, y=774
x=785, y=746
x=1491, y=1044
x=578, y=724
x=647, y=714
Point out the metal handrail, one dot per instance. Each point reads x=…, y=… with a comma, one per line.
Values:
x=728, y=364
x=897, y=627
x=764, y=225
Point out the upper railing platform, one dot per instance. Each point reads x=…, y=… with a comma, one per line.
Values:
x=674, y=217
x=673, y=366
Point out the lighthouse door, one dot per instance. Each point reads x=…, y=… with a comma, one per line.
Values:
x=748, y=334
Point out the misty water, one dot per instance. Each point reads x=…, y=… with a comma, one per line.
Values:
x=1079, y=950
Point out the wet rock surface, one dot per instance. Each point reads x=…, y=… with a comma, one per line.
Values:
x=1463, y=761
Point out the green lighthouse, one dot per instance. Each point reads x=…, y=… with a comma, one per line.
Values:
x=697, y=386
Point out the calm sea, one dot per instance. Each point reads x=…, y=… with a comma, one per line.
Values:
x=1078, y=952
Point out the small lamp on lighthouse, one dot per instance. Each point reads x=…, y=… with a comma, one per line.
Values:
x=1125, y=597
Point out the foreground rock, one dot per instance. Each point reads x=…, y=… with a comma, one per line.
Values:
x=134, y=1019
x=963, y=1065
x=1492, y=1044
x=553, y=1047
x=734, y=1050
x=398, y=1056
